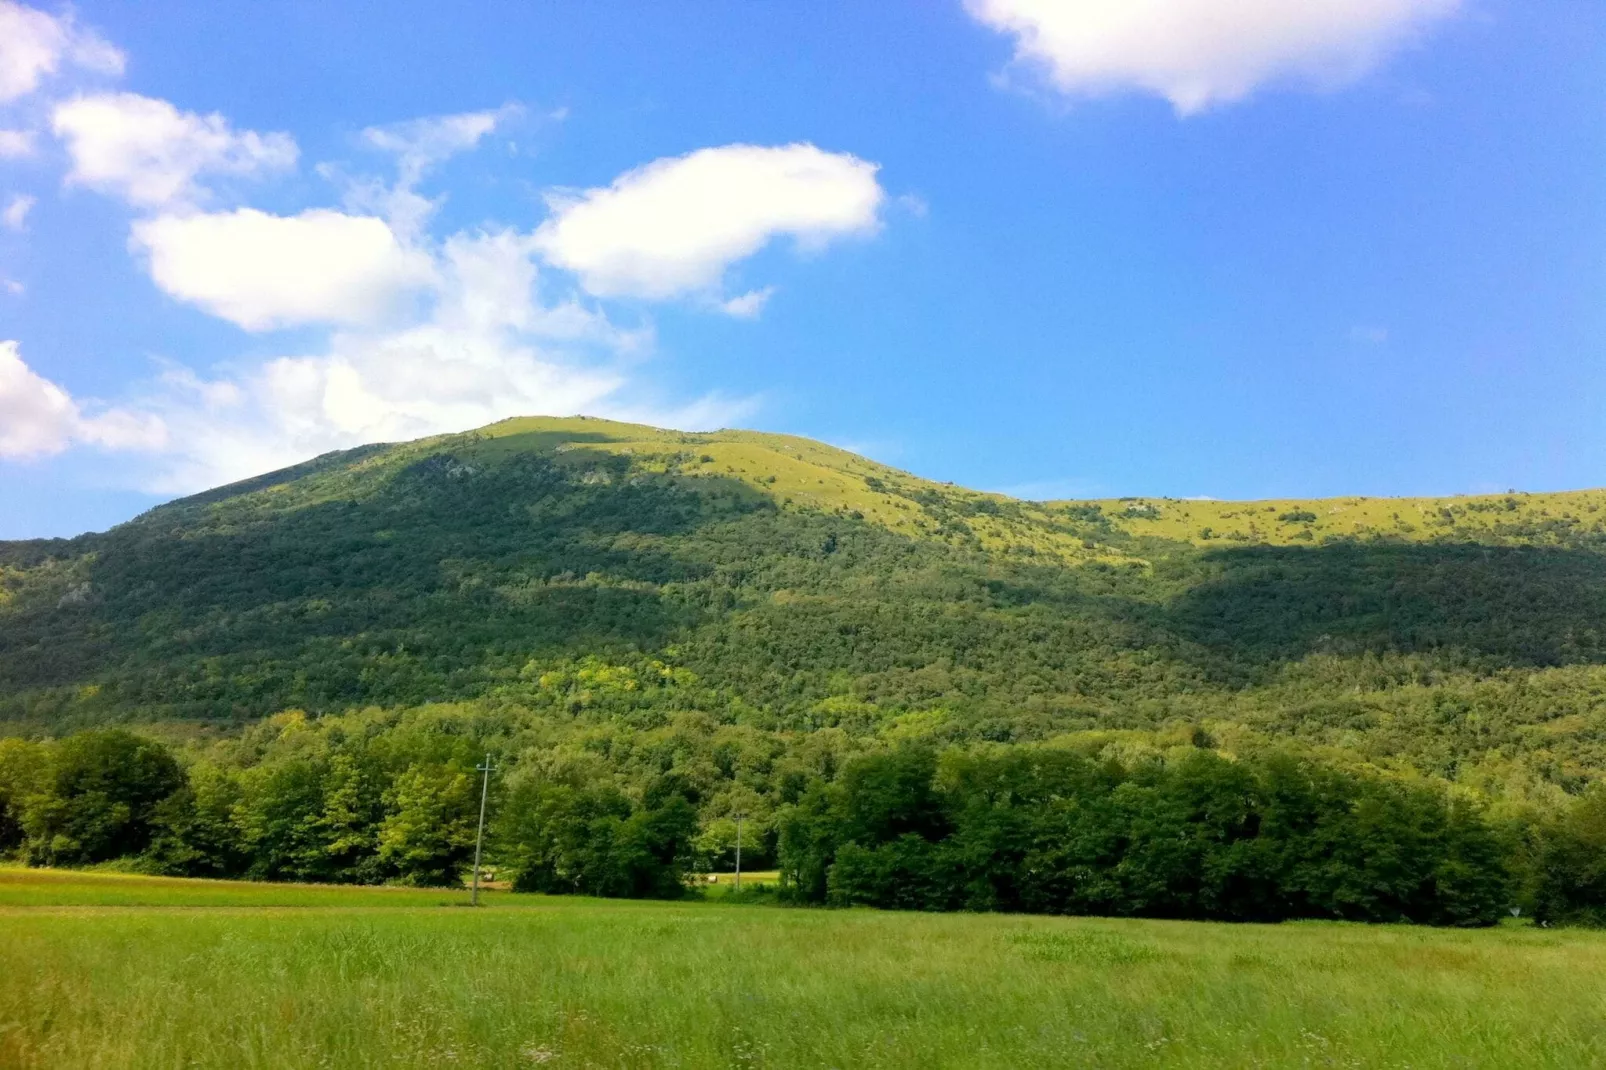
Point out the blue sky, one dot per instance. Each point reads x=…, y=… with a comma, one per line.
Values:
x=1236, y=248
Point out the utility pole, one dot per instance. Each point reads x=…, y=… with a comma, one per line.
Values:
x=479, y=837
x=739, y=818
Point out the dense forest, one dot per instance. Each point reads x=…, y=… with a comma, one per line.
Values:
x=1038, y=828
x=654, y=630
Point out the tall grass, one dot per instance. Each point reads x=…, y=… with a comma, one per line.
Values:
x=99, y=971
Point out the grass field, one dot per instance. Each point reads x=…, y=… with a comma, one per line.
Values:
x=115, y=971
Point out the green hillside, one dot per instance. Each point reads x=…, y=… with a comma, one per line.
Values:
x=619, y=574
x=916, y=695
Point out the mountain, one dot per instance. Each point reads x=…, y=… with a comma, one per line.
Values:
x=599, y=570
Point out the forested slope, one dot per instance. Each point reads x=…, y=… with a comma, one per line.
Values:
x=610, y=574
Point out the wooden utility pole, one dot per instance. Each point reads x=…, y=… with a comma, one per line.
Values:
x=479, y=837
x=739, y=818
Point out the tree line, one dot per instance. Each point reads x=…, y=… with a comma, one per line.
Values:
x=1190, y=833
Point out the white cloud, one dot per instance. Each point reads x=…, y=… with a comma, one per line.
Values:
x=36, y=415
x=489, y=348
x=34, y=45
x=388, y=387
x=429, y=335
x=418, y=145
x=259, y=270
x=152, y=154
x=748, y=305
x=1198, y=53
x=673, y=226
x=489, y=282
x=15, y=144
x=38, y=418
x=15, y=214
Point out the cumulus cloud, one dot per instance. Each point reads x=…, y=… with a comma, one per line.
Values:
x=1199, y=53
x=427, y=334
x=151, y=154
x=36, y=415
x=38, y=418
x=15, y=214
x=35, y=45
x=490, y=347
x=15, y=144
x=674, y=226
x=260, y=271
x=380, y=388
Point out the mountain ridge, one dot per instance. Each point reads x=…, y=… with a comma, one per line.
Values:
x=1461, y=515
x=609, y=572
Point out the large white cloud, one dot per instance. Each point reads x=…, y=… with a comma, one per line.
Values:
x=429, y=335
x=152, y=154
x=489, y=348
x=34, y=45
x=38, y=418
x=259, y=270
x=673, y=226
x=1197, y=53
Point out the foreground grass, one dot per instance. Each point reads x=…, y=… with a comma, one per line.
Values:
x=113, y=971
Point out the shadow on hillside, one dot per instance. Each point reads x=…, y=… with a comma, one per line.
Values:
x=1501, y=606
x=384, y=599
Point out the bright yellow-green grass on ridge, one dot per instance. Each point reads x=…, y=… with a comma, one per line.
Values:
x=206, y=974
x=800, y=473
x=805, y=473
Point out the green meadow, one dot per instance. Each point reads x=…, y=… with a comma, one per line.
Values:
x=101, y=970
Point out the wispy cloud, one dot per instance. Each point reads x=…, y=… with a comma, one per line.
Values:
x=34, y=45
x=15, y=214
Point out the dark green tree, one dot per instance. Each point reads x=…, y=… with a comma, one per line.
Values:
x=102, y=792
